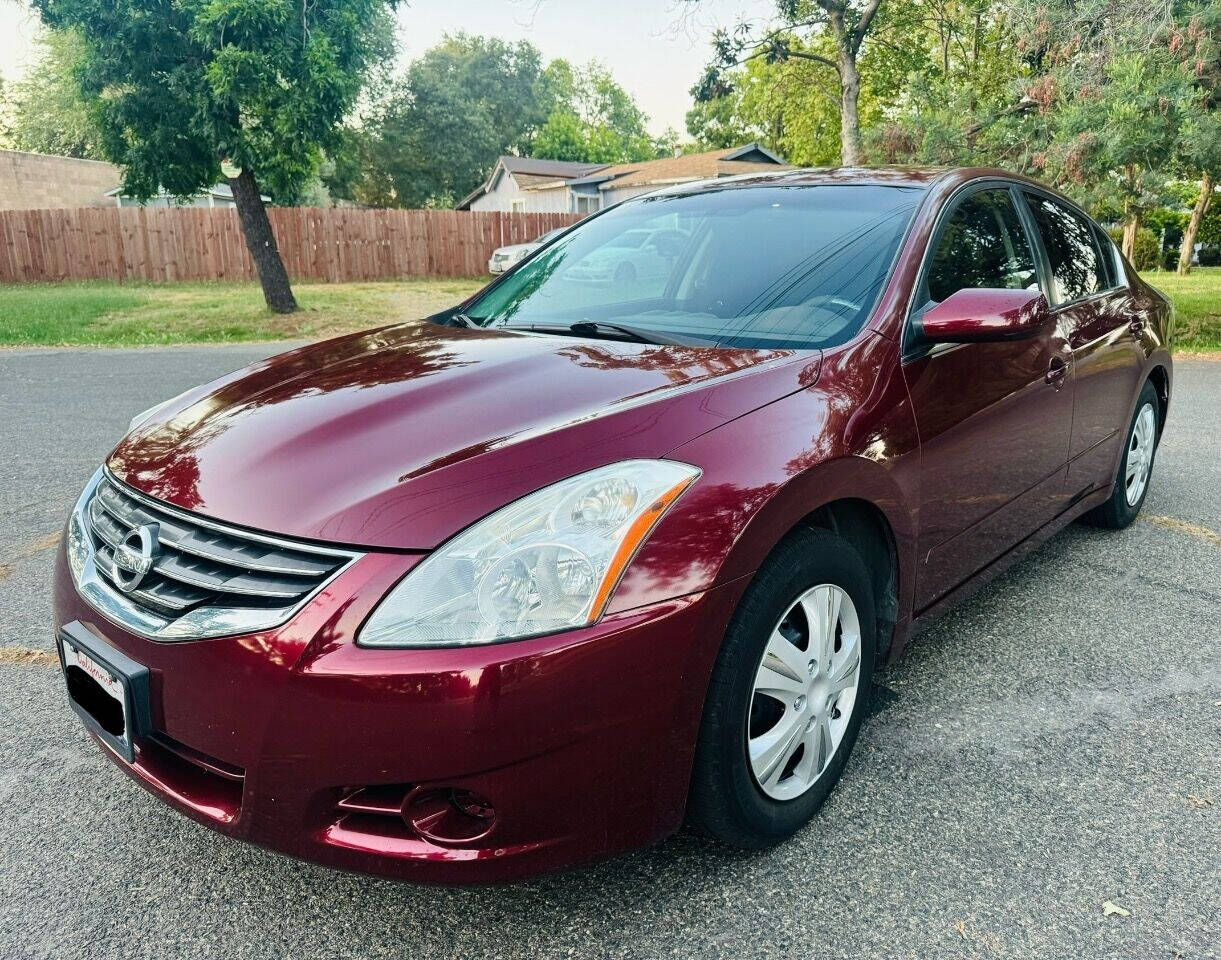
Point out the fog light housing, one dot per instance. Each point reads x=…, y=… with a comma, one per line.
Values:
x=446, y=815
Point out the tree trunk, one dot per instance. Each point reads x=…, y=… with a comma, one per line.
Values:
x=849, y=119
x=1131, y=224
x=1193, y=225
x=261, y=243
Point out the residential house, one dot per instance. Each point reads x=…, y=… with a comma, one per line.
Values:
x=220, y=195
x=553, y=186
x=515, y=181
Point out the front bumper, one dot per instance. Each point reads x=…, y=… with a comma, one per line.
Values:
x=581, y=742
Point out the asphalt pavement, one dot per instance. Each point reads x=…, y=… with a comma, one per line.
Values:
x=1051, y=747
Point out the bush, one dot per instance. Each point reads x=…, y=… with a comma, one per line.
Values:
x=1210, y=256
x=1147, y=250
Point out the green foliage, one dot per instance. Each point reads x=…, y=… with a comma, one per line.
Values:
x=961, y=100
x=594, y=119
x=436, y=133
x=48, y=112
x=468, y=100
x=790, y=103
x=1147, y=251
x=459, y=106
x=175, y=89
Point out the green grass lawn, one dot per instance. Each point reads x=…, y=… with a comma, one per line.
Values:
x=1197, y=302
x=133, y=314
x=115, y=314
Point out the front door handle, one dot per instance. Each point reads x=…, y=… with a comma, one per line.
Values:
x=1057, y=372
x=1137, y=327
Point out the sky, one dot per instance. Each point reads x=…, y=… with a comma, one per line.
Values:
x=655, y=48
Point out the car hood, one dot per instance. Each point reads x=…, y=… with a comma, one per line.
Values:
x=399, y=437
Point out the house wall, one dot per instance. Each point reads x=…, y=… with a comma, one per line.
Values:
x=33, y=181
x=506, y=190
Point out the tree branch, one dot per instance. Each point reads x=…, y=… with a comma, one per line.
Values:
x=1025, y=105
x=863, y=24
x=801, y=55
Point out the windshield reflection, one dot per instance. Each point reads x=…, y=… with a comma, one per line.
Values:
x=780, y=266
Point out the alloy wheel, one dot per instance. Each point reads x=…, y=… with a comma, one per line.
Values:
x=805, y=690
x=1140, y=454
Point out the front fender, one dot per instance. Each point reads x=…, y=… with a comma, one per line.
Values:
x=849, y=436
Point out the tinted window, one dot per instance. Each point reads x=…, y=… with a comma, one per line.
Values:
x=982, y=244
x=1076, y=265
x=791, y=266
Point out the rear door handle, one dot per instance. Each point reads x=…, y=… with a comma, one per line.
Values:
x=1056, y=372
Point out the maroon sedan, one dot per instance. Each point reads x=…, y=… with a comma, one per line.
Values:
x=530, y=583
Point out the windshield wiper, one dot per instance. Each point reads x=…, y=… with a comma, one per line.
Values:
x=461, y=320
x=586, y=328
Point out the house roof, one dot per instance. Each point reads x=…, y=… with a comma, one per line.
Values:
x=750, y=158
x=221, y=191
x=534, y=174
x=546, y=168
x=529, y=172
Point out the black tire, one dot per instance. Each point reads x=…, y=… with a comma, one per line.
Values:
x=725, y=799
x=1116, y=513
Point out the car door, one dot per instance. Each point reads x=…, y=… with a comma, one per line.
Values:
x=994, y=418
x=1090, y=296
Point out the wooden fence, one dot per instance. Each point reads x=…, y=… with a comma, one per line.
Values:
x=161, y=244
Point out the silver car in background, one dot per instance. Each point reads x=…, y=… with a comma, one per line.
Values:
x=504, y=257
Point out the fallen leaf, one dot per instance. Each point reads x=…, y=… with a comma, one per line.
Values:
x=1109, y=908
x=1198, y=801
x=961, y=927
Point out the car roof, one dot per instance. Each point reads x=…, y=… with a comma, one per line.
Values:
x=921, y=177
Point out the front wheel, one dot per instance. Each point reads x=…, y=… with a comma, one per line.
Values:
x=787, y=694
x=1132, y=481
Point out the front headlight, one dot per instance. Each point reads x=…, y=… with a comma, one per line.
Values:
x=547, y=562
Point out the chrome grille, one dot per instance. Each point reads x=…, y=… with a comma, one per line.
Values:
x=204, y=575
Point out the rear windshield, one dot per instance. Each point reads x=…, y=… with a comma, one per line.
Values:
x=780, y=266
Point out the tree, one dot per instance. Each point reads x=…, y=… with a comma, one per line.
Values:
x=183, y=91
x=1111, y=93
x=792, y=104
x=846, y=22
x=49, y=113
x=966, y=98
x=1197, y=37
x=438, y=132
x=593, y=120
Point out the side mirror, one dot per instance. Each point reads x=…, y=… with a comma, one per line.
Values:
x=976, y=314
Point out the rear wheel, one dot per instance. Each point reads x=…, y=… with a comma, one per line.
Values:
x=1135, y=468
x=787, y=694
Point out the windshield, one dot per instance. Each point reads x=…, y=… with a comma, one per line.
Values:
x=779, y=266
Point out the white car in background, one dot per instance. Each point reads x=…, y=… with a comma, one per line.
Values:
x=505, y=257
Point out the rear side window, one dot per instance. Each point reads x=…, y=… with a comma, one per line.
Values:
x=982, y=244
x=1077, y=267
x=1110, y=259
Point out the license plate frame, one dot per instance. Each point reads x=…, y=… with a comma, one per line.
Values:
x=100, y=678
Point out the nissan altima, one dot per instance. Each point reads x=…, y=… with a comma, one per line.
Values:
x=538, y=579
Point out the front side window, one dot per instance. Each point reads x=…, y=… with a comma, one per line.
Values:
x=776, y=266
x=981, y=245
x=1077, y=269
